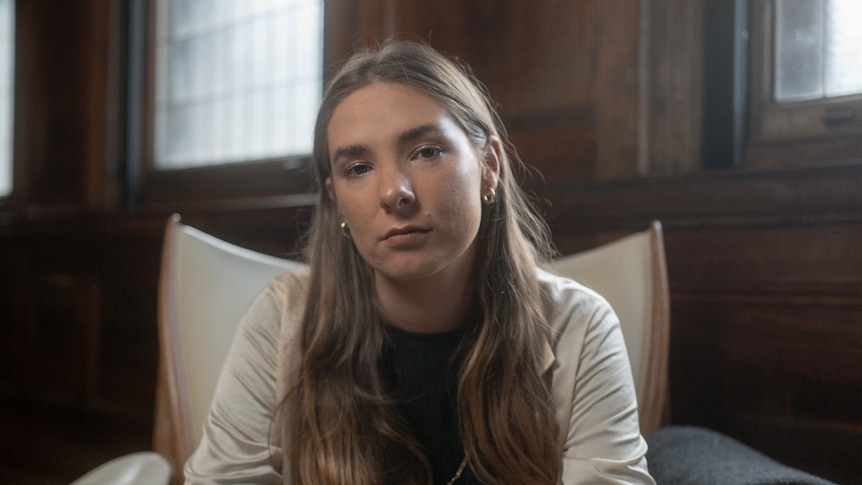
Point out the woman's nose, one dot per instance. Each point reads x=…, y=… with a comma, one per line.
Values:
x=396, y=190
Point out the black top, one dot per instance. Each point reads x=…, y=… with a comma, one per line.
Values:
x=422, y=369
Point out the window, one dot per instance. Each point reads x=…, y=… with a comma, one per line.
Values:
x=818, y=49
x=806, y=81
x=7, y=69
x=236, y=81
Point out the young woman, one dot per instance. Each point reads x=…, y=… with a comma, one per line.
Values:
x=423, y=345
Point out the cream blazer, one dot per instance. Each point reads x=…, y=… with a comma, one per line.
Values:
x=592, y=389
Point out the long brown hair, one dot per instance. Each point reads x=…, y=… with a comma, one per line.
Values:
x=339, y=423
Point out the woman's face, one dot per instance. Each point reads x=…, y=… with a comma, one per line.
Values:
x=408, y=182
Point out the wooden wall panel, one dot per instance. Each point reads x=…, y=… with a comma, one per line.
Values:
x=616, y=104
x=537, y=59
x=814, y=260
x=83, y=302
x=782, y=374
x=558, y=153
x=731, y=197
x=12, y=266
x=620, y=79
x=61, y=107
x=128, y=335
x=540, y=63
x=770, y=355
x=62, y=326
x=671, y=86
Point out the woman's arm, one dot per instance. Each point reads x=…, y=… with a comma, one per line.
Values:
x=594, y=391
x=239, y=443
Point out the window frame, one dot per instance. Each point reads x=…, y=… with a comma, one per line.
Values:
x=800, y=133
x=217, y=185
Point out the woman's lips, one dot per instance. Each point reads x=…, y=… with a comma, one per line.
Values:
x=405, y=235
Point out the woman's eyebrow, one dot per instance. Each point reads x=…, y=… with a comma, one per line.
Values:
x=350, y=151
x=415, y=133
x=410, y=135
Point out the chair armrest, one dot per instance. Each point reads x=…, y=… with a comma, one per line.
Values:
x=141, y=468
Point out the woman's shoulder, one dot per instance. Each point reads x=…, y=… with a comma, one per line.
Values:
x=275, y=318
x=291, y=283
x=290, y=290
x=278, y=308
x=568, y=302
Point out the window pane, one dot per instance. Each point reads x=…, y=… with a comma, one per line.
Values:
x=818, y=49
x=240, y=74
x=7, y=67
x=844, y=47
x=798, y=50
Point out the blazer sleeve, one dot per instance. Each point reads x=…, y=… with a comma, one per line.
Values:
x=602, y=443
x=239, y=443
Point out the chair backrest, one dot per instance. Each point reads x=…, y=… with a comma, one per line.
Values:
x=205, y=288
x=631, y=274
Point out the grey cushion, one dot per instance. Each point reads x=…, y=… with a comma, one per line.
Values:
x=693, y=455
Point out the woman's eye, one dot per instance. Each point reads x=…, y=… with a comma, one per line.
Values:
x=357, y=170
x=428, y=152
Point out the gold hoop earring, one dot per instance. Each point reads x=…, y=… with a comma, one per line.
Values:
x=490, y=197
x=345, y=229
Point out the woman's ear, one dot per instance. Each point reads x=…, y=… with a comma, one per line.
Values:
x=329, y=189
x=491, y=162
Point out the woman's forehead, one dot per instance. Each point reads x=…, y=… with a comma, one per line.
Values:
x=382, y=109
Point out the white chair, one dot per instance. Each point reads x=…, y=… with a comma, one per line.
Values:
x=205, y=287
x=631, y=274
x=141, y=468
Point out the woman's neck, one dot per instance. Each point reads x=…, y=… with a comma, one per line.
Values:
x=432, y=305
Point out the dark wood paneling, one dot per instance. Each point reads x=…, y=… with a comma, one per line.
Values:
x=554, y=152
x=820, y=261
x=83, y=301
x=671, y=87
x=617, y=102
x=775, y=355
x=61, y=105
x=61, y=327
x=779, y=372
x=540, y=63
x=80, y=284
x=732, y=197
x=540, y=76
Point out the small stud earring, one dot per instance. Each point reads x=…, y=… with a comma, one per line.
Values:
x=490, y=197
x=345, y=229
